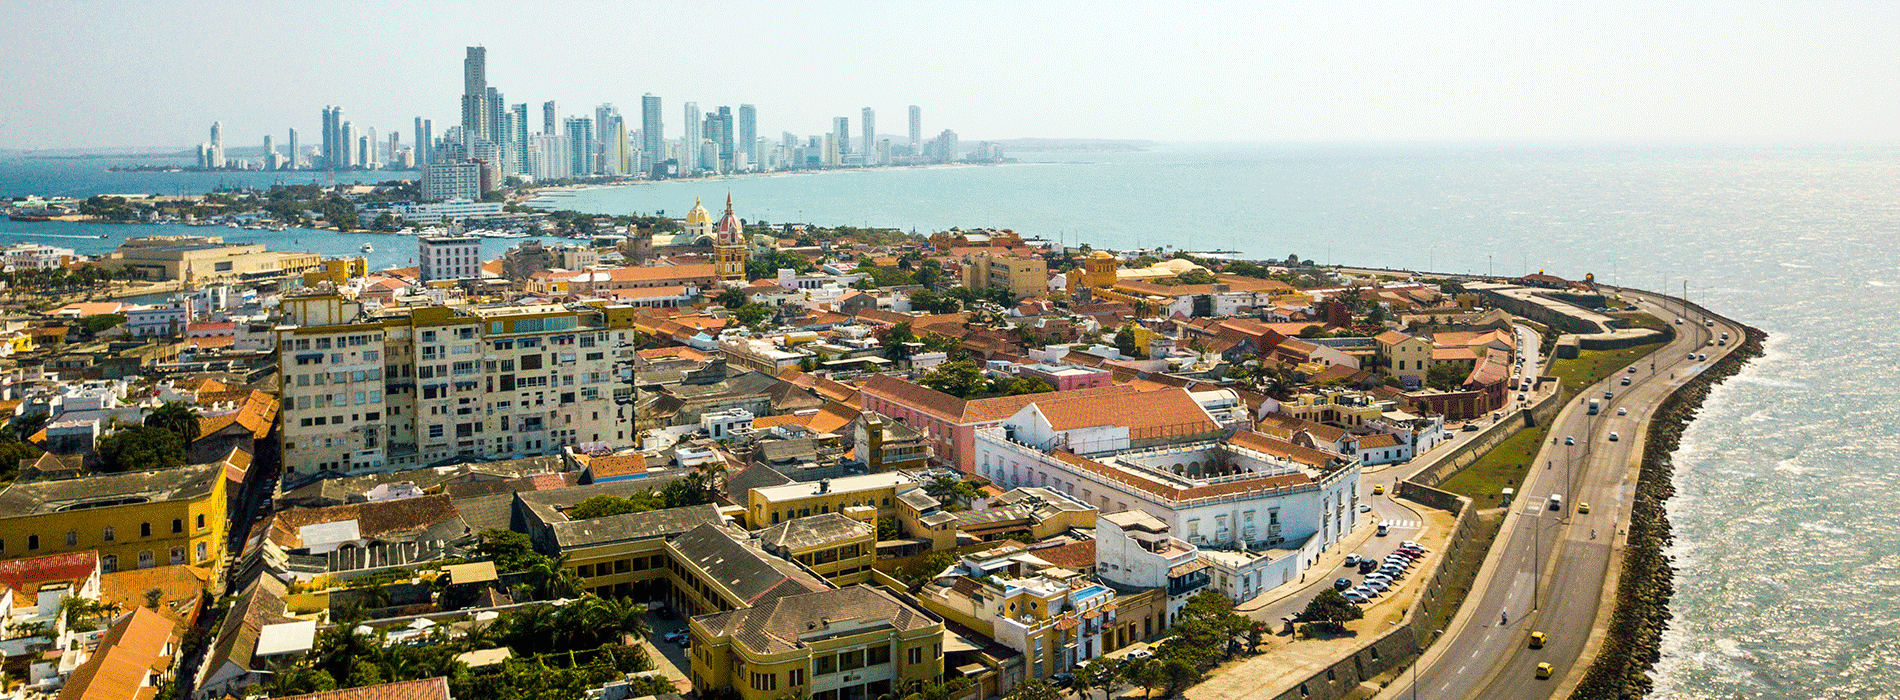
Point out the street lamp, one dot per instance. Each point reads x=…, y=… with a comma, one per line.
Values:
x=1420, y=646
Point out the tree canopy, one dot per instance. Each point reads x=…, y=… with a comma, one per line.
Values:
x=141, y=448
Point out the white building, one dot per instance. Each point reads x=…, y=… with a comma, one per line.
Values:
x=156, y=319
x=430, y=214
x=1135, y=549
x=33, y=256
x=442, y=182
x=731, y=422
x=449, y=257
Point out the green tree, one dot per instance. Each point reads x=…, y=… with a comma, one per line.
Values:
x=98, y=323
x=1312, y=331
x=897, y=339
x=1125, y=341
x=605, y=505
x=511, y=551
x=1098, y=674
x=1145, y=673
x=1331, y=611
x=732, y=298
x=961, y=379
x=1445, y=376
x=751, y=314
x=177, y=417
x=141, y=448
x=1034, y=689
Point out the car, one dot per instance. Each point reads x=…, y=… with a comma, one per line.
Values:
x=1384, y=529
x=1342, y=583
x=1520, y=397
x=1367, y=565
x=1061, y=680
x=1354, y=597
x=1470, y=427
x=1352, y=560
x=1413, y=545
x=1379, y=577
x=1622, y=411
x=1544, y=670
x=1701, y=358
x=1364, y=508
x=1408, y=553
x=1378, y=489
x=1537, y=640
x=1631, y=307
x=1367, y=592
x=1570, y=440
x=1626, y=381
x=1583, y=508
x=675, y=637
x=1632, y=369
x=1378, y=585
x=1692, y=356
x=1678, y=322
x=1612, y=436
x=1607, y=394
x=1138, y=654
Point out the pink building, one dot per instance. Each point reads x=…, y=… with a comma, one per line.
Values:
x=949, y=422
x=1067, y=377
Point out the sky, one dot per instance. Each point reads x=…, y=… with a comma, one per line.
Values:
x=143, y=74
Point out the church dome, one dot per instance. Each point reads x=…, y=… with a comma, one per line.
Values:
x=1100, y=255
x=698, y=215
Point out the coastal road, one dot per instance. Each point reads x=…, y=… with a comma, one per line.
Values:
x=1548, y=568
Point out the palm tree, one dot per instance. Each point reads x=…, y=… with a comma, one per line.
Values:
x=632, y=618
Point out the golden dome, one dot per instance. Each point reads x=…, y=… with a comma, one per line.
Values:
x=1100, y=255
x=698, y=215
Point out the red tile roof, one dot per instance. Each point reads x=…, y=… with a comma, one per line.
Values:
x=19, y=574
x=130, y=652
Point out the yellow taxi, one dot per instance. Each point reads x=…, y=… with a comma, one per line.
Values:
x=1544, y=670
x=1583, y=508
x=1378, y=489
x=1537, y=640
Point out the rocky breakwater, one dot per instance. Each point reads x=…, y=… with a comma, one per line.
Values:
x=1632, y=645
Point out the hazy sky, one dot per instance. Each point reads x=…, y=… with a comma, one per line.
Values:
x=136, y=74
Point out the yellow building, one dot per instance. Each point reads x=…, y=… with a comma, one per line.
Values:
x=776, y=504
x=337, y=271
x=713, y=568
x=134, y=520
x=832, y=545
x=1021, y=276
x=729, y=246
x=621, y=556
x=1058, y=619
x=856, y=643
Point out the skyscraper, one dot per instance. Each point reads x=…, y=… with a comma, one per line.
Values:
x=425, y=140
x=689, y=141
x=580, y=137
x=520, y=136
x=475, y=110
x=719, y=132
x=548, y=120
x=327, y=135
x=345, y=145
x=749, y=136
x=296, y=156
x=652, y=131
x=870, y=136
x=497, y=110
x=608, y=132
x=916, y=130
x=841, y=130
x=367, y=149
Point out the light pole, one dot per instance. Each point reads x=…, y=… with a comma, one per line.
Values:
x=1420, y=645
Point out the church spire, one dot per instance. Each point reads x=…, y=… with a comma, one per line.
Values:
x=728, y=202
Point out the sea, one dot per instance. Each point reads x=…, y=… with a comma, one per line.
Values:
x=1786, y=520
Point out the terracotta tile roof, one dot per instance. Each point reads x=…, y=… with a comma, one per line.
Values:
x=629, y=275
x=611, y=466
x=679, y=351
x=1453, y=355
x=1281, y=448
x=372, y=519
x=139, y=645
x=1392, y=337
x=1077, y=556
x=181, y=584
x=1136, y=410
x=422, y=689
x=25, y=575
x=258, y=414
x=1378, y=440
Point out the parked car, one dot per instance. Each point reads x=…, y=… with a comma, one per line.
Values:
x=1352, y=560
x=675, y=637
x=1062, y=680
x=1354, y=597
x=1366, y=566
x=1414, y=545
x=1342, y=583
x=1367, y=592
x=1378, y=585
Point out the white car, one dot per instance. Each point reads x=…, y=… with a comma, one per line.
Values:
x=1612, y=437
x=1622, y=411
x=1363, y=508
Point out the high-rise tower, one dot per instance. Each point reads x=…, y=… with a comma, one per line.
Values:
x=689, y=141
x=916, y=130
x=749, y=136
x=652, y=131
x=870, y=136
x=841, y=130
x=549, y=122
x=296, y=155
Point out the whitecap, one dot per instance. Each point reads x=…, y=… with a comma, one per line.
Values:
x=1823, y=527
x=1796, y=265
x=1763, y=381
x=1787, y=466
x=1730, y=647
x=1877, y=283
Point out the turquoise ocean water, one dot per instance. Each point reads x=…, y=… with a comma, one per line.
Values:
x=1786, y=521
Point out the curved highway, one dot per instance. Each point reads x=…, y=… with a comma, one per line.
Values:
x=1548, y=569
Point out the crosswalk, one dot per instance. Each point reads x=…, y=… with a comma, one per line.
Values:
x=1401, y=524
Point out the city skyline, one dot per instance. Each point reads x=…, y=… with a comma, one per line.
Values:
x=1621, y=71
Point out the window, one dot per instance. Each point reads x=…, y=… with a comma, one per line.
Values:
x=110, y=535
x=72, y=538
x=145, y=559
x=201, y=521
x=145, y=529
x=178, y=525
x=878, y=655
x=851, y=660
x=795, y=677
x=178, y=555
x=915, y=656
x=109, y=563
x=765, y=681
x=204, y=552
x=32, y=542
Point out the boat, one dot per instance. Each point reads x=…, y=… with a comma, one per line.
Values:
x=230, y=224
x=367, y=248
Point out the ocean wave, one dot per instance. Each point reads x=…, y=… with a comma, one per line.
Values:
x=1772, y=383
x=1822, y=527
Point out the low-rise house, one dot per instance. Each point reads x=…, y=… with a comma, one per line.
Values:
x=132, y=660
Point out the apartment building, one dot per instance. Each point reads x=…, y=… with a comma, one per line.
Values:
x=416, y=386
x=856, y=643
